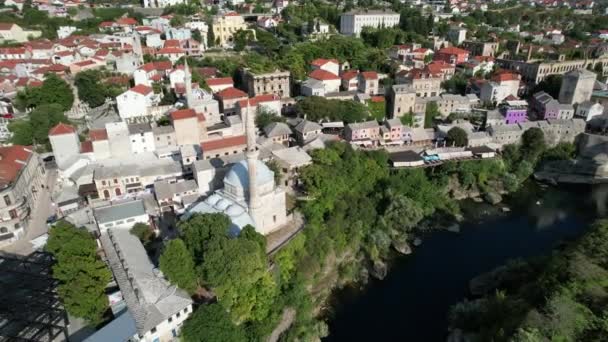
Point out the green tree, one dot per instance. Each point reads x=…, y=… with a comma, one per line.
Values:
x=265, y=117
x=199, y=230
x=90, y=88
x=36, y=127
x=402, y=214
x=432, y=111
x=458, y=137
x=177, y=264
x=81, y=274
x=211, y=323
x=317, y=108
x=142, y=231
x=54, y=90
x=533, y=144
x=551, y=85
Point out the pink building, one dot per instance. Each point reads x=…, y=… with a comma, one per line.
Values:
x=365, y=133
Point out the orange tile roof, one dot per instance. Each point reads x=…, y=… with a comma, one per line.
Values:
x=98, y=134
x=350, y=74
x=323, y=75
x=218, y=144
x=219, y=81
x=61, y=128
x=369, y=75
x=259, y=99
x=322, y=61
x=11, y=162
x=183, y=114
x=453, y=51
x=141, y=89
x=86, y=147
x=231, y=93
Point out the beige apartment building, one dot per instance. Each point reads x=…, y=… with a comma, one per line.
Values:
x=21, y=183
x=276, y=82
x=225, y=26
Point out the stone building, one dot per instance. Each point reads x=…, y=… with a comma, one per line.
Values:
x=276, y=82
x=577, y=86
x=401, y=100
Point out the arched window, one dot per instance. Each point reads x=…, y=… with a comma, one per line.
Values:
x=106, y=194
x=117, y=191
x=3, y=230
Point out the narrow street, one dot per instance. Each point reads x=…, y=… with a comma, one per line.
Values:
x=39, y=214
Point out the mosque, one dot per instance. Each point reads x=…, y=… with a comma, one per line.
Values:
x=250, y=195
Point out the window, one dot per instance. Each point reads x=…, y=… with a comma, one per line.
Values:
x=7, y=200
x=103, y=183
x=115, y=181
x=177, y=315
x=13, y=214
x=3, y=230
x=117, y=191
x=153, y=331
x=170, y=319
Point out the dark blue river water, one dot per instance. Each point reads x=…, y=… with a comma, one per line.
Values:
x=412, y=302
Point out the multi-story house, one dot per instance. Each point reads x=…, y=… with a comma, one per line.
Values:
x=422, y=81
x=482, y=48
x=500, y=87
x=10, y=32
x=65, y=143
x=142, y=138
x=276, y=82
x=451, y=55
x=368, y=82
x=135, y=102
x=350, y=81
x=225, y=26
x=329, y=65
x=228, y=98
x=367, y=132
x=21, y=182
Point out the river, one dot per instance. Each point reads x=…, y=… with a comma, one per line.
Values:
x=412, y=302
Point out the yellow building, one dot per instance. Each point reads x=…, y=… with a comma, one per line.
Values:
x=225, y=26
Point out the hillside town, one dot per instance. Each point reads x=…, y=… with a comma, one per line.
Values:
x=133, y=122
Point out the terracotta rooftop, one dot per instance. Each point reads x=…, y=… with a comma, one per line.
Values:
x=98, y=134
x=183, y=114
x=231, y=93
x=223, y=143
x=62, y=128
x=219, y=81
x=259, y=99
x=369, y=75
x=141, y=89
x=323, y=75
x=322, y=61
x=12, y=160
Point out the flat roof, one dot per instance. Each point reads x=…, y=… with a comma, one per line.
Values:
x=405, y=156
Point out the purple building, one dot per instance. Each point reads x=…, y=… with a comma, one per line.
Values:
x=515, y=112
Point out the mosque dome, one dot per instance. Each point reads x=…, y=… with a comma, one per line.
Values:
x=213, y=199
x=234, y=210
x=222, y=204
x=238, y=176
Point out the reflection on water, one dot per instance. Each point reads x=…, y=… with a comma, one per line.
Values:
x=412, y=302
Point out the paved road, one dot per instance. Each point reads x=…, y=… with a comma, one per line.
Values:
x=37, y=225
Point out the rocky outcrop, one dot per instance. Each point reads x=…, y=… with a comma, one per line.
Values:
x=492, y=197
x=401, y=246
x=379, y=270
x=591, y=166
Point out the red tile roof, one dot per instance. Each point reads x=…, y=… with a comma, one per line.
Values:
x=183, y=114
x=141, y=89
x=208, y=71
x=259, y=99
x=61, y=128
x=503, y=77
x=12, y=51
x=218, y=144
x=377, y=99
x=126, y=21
x=453, y=51
x=85, y=63
x=98, y=134
x=231, y=93
x=163, y=65
x=86, y=147
x=219, y=81
x=369, y=75
x=6, y=26
x=350, y=74
x=323, y=75
x=170, y=50
x=12, y=159
x=171, y=43
x=322, y=61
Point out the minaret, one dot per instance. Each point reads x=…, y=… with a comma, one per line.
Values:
x=137, y=49
x=252, y=158
x=188, y=80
